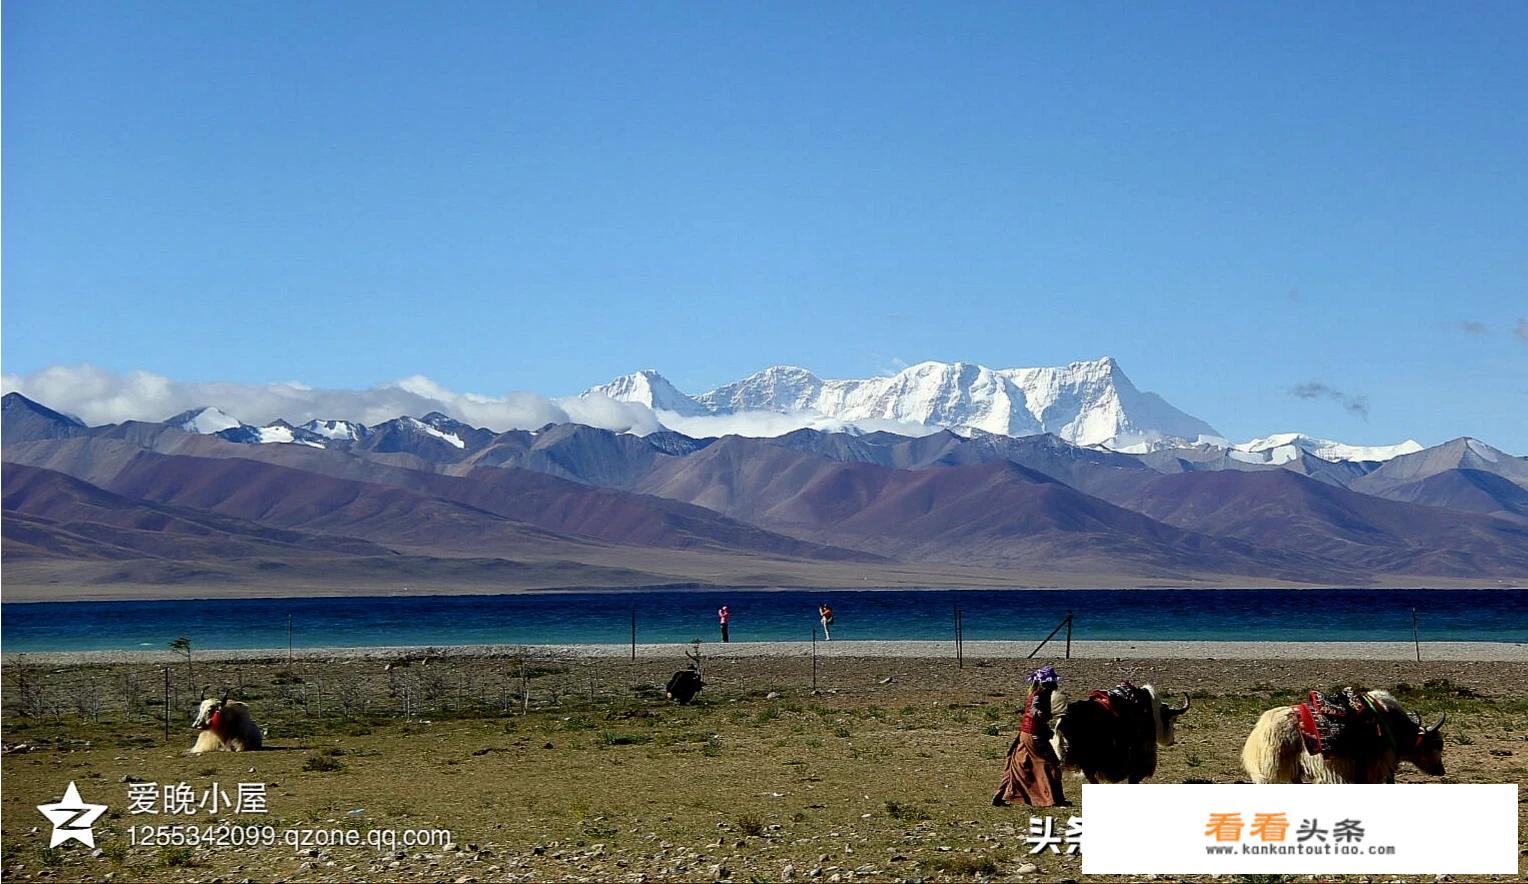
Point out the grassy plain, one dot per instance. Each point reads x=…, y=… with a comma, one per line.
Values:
x=884, y=773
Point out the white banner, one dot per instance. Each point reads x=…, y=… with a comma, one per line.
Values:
x=1417, y=829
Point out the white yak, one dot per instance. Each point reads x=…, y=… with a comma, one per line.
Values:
x=225, y=724
x=1275, y=750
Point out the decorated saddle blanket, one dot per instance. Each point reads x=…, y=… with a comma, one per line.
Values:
x=1123, y=699
x=1340, y=723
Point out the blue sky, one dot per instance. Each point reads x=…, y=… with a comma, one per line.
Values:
x=1234, y=202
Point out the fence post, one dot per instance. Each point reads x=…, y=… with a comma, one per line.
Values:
x=1069, y=635
x=1043, y=642
x=960, y=642
x=633, y=633
x=167, y=704
x=814, y=658
x=289, y=641
x=1416, y=639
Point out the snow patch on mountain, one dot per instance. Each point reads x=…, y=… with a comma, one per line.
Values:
x=449, y=438
x=205, y=421
x=338, y=430
x=1281, y=448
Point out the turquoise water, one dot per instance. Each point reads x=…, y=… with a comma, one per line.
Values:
x=787, y=615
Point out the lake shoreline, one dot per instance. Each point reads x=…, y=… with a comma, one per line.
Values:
x=1483, y=651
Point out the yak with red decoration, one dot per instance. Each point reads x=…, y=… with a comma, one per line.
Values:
x=1344, y=736
x=224, y=724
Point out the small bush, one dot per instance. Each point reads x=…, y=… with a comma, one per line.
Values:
x=616, y=738
x=115, y=851
x=322, y=764
x=176, y=857
x=841, y=732
x=908, y=812
x=750, y=825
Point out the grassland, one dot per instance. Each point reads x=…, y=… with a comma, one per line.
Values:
x=578, y=770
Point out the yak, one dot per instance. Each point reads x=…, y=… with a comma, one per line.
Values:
x=1278, y=749
x=1112, y=736
x=684, y=686
x=225, y=724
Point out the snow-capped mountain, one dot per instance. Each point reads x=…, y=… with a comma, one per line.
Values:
x=212, y=421
x=1282, y=448
x=204, y=421
x=649, y=388
x=337, y=430
x=1086, y=403
x=1090, y=404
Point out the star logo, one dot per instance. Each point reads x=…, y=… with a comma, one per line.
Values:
x=72, y=818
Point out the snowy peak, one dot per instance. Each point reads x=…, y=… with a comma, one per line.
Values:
x=337, y=430
x=278, y=432
x=649, y=388
x=1282, y=448
x=1094, y=403
x=777, y=388
x=204, y=421
x=1085, y=403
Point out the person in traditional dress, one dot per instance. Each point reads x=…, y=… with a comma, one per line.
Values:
x=825, y=617
x=1033, y=773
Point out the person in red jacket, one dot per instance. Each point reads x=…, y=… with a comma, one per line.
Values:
x=724, y=615
x=1033, y=772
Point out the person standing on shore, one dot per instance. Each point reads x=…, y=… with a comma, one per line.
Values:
x=1033, y=772
x=825, y=615
x=724, y=614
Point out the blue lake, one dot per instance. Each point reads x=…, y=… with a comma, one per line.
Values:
x=785, y=615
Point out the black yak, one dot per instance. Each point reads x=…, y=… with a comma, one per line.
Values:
x=1112, y=736
x=684, y=686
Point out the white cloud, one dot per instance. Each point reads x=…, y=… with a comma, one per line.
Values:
x=98, y=396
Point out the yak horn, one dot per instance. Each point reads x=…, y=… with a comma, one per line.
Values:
x=224, y=701
x=1187, y=702
x=204, y=691
x=1442, y=718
